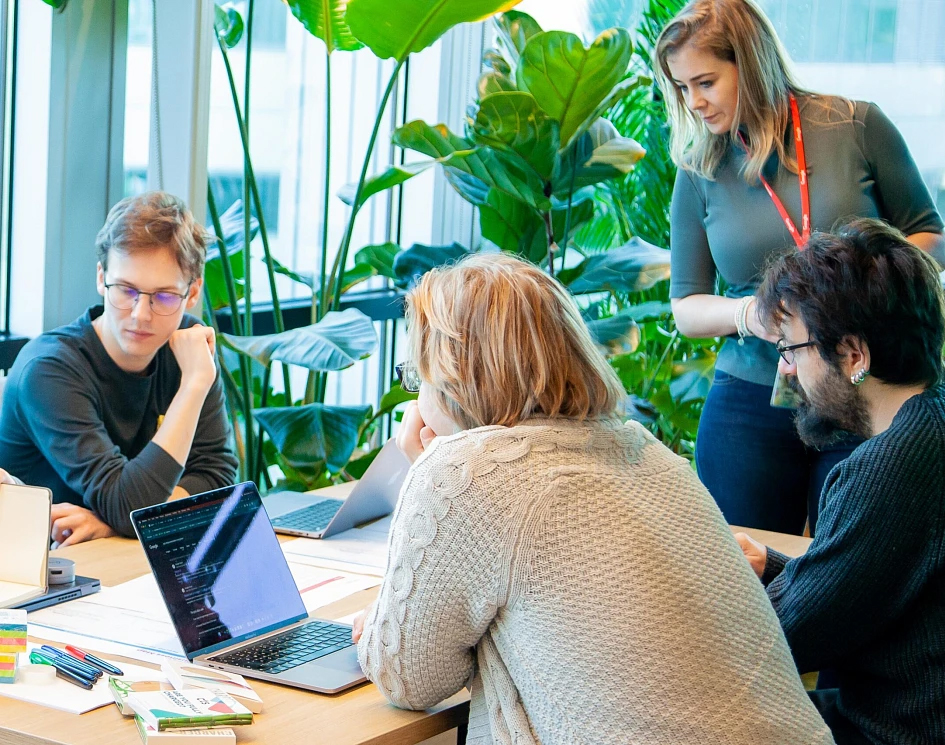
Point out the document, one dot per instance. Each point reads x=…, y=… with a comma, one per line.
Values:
x=131, y=619
x=362, y=550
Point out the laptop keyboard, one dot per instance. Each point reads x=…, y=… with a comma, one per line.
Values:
x=315, y=517
x=291, y=649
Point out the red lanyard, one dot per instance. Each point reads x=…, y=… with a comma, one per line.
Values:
x=799, y=238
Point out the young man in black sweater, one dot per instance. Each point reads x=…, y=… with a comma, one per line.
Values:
x=123, y=408
x=860, y=315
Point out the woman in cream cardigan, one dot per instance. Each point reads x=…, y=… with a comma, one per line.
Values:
x=549, y=556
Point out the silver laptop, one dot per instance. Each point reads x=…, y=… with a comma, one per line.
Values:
x=374, y=496
x=231, y=596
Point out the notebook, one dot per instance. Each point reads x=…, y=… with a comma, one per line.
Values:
x=231, y=597
x=24, y=542
x=375, y=495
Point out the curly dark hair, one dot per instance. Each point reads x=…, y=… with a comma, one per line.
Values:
x=865, y=281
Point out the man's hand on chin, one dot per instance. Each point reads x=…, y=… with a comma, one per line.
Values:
x=74, y=524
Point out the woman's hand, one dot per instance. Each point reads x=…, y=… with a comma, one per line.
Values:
x=357, y=627
x=755, y=552
x=414, y=436
x=756, y=327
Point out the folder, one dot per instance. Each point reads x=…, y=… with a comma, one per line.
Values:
x=24, y=542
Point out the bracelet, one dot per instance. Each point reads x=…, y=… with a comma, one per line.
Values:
x=741, y=318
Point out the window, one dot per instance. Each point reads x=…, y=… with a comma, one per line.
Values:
x=137, y=128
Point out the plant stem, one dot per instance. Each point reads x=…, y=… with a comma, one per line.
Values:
x=246, y=397
x=247, y=211
x=338, y=269
x=656, y=370
x=567, y=215
x=278, y=322
x=550, y=236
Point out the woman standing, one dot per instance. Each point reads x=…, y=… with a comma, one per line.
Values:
x=762, y=162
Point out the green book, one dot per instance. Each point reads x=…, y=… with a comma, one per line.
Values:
x=164, y=710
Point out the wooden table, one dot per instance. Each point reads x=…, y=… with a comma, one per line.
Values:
x=360, y=716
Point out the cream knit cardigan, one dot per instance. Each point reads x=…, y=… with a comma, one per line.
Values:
x=558, y=568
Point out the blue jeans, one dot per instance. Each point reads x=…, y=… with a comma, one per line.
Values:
x=753, y=463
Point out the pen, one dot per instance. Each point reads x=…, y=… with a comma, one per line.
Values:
x=62, y=672
x=93, y=660
x=60, y=663
x=58, y=656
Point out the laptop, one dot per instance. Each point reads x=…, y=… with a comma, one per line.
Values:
x=375, y=495
x=231, y=596
x=55, y=594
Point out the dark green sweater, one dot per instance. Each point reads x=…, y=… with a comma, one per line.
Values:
x=868, y=598
x=75, y=422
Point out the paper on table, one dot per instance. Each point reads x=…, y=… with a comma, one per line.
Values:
x=68, y=697
x=361, y=550
x=131, y=619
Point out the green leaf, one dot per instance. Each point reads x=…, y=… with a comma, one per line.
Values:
x=618, y=334
x=620, y=153
x=396, y=175
x=356, y=275
x=357, y=466
x=623, y=89
x=515, y=29
x=325, y=20
x=475, y=174
x=514, y=123
x=306, y=279
x=692, y=379
x=228, y=24
x=397, y=29
x=380, y=258
x=57, y=4
x=334, y=343
x=600, y=154
x=493, y=82
x=635, y=266
x=394, y=398
x=570, y=81
x=315, y=436
x=231, y=224
x=512, y=225
x=414, y=262
x=496, y=62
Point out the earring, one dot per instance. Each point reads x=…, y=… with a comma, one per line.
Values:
x=859, y=376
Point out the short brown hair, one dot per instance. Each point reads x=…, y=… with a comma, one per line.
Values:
x=153, y=220
x=500, y=341
x=866, y=281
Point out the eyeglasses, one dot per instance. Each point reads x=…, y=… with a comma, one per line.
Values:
x=408, y=376
x=163, y=303
x=787, y=350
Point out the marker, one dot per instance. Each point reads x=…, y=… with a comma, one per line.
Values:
x=61, y=662
x=61, y=672
x=57, y=655
x=93, y=660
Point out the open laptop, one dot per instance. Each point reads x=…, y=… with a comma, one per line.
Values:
x=231, y=596
x=375, y=495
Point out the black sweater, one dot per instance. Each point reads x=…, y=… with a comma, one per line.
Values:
x=868, y=597
x=75, y=422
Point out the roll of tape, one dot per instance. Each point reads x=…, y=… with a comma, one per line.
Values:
x=60, y=571
x=35, y=674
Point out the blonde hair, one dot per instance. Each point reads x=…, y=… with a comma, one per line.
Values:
x=735, y=31
x=500, y=341
x=154, y=220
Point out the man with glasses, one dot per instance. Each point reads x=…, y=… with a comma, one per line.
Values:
x=860, y=315
x=123, y=408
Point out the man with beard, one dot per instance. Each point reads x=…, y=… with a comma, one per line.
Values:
x=860, y=315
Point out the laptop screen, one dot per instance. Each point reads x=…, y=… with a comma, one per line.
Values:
x=219, y=567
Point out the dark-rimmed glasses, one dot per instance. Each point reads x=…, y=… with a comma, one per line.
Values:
x=163, y=302
x=787, y=350
x=408, y=376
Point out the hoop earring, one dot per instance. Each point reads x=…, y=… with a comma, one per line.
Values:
x=859, y=376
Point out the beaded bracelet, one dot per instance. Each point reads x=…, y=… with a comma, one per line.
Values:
x=741, y=318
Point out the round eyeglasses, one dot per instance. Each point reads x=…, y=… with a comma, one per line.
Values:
x=787, y=350
x=408, y=376
x=163, y=303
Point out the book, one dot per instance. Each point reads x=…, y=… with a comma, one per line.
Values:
x=220, y=736
x=24, y=542
x=188, y=709
x=121, y=688
x=186, y=675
